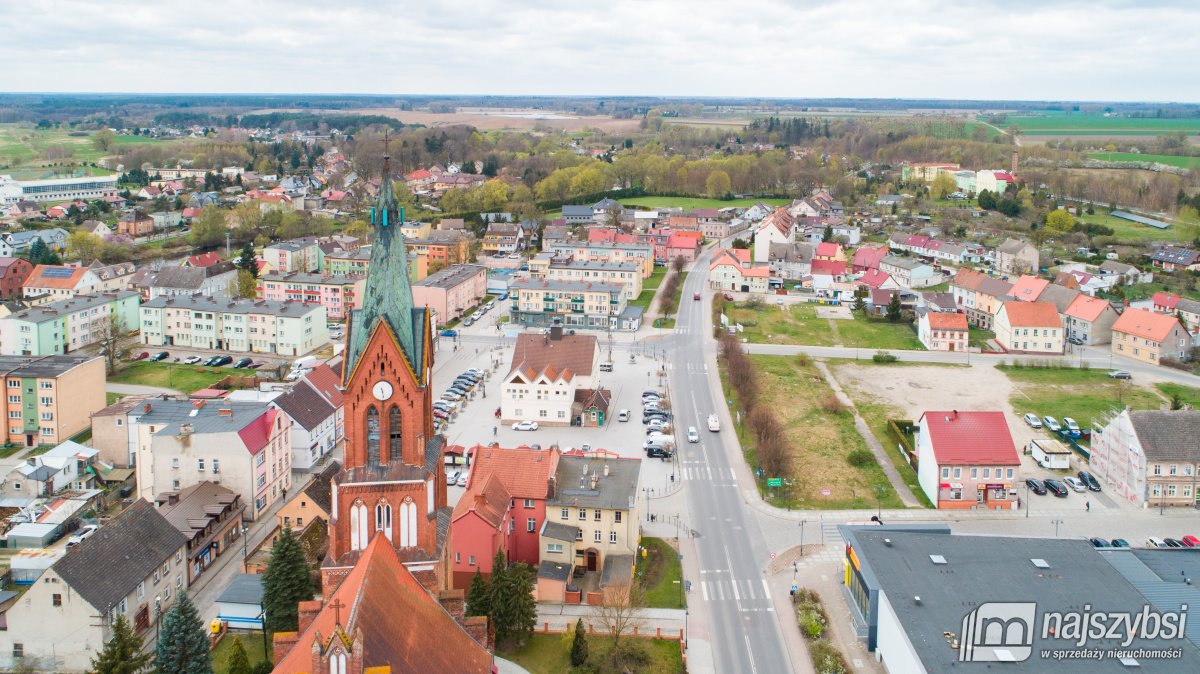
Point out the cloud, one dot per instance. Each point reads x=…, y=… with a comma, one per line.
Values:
x=1019, y=49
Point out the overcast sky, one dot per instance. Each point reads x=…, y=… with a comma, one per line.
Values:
x=983, y=49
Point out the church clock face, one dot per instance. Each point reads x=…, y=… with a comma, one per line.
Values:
x=382, y=390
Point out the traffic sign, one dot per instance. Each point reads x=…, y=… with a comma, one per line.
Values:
x=772, y=555
x=774, y=482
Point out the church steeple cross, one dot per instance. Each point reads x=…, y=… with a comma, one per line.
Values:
x=337, y=605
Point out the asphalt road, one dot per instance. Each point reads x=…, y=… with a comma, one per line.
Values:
x=730, y=549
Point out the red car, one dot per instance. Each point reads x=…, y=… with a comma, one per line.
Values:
x=728, y=297
x=696, y=296
x=141, y=356
x=1191, y=541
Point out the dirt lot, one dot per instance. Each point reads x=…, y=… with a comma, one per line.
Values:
x=914, y=390
x=495, y=119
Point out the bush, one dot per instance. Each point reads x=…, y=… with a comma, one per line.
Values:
x=812, y=623
x=883, y=357
x=832, y=405
x=803, y=359
x=860, y=458
x=826, y=658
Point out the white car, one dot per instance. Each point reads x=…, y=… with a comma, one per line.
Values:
x=714, y=424
x=82, y=535
x=1051, y=423
x=1033, y=420
x=462, y=479
x=452, y=478
x=657, y=425
x=1075, y=484
x=525, y=426
x=191, y=360
x=623, y=415
x=693, y=435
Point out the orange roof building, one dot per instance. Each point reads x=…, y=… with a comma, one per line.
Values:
x=1149, y=336
x=1089, y=320
x=1029, y=327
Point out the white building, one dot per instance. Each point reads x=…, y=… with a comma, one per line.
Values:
x=546, y=371
x=316, y=430
x=242, y=325
x=56, y=189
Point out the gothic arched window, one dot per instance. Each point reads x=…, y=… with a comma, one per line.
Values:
x=395, y=434
x=372, y=436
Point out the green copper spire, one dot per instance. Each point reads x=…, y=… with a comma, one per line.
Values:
x=388, y=295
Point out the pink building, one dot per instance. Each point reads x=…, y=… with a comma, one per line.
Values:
x=338, y=294
x=451, y=291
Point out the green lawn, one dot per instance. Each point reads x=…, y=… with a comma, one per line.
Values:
x=798, y=324
x=1075, y=123
x=186, y=378
x=550, y=654
x=698, y=202
x=110, y=398
x=649, y=286
x=1082, y=394
x=252, y=642
x=661, y=574
x=1169, y=160
x=1126, y=231
x=24, y=145
x=1187, y=394
x=978, y=336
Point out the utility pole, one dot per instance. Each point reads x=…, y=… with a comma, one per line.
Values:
x=227, y=253
x=1056, y=525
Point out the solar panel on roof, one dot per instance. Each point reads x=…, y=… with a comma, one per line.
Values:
x=58, y=272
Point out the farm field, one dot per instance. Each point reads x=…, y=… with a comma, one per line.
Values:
x=1127, y=231
x=698, y=202
x=1083, y=124
x=1169, y=160
x=24, y=145
x=490, y=120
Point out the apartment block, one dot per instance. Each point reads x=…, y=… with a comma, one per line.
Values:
x=243, y=325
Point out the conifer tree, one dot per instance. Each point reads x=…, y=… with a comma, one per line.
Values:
x=579, y=646
x=182, y=643
x=238, y=662
x=123, y=653
x=285, y=584
x=479, y=596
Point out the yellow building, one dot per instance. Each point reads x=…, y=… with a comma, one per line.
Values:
x=48, y=399
x=1149, y=337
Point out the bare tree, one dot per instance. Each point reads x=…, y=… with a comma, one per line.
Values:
x=113, y=338
x=620, y=613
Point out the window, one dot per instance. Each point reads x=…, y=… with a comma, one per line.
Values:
x=958, y=472
x=18, y=650
x=612, y=537
x=974, y=473
x=16, y=400
x=554, y=547
x=299, y=522
x=457, y=557
x=141, y=590
x=987, y=472
x=583, y=514
x=579, y=535
x=566, y=513
x=945, y=472
x=1173, y=470
x=530, y=525
x=200, y=465
x=14, y=383
x=178, y=581
x=45, y=385
x=56, y=599
x=596, y=535
x=156, y=577
x=596, y=515
x=471, y=560
x=617, y=516
x=372, y=436
x=529, y=502
x=395, y=433
x=1158, y=469
x=175, y=484
x=216, y=466
x=1010, y=473
x=175, y=463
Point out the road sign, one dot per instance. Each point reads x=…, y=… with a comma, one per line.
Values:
x=774, y=482
x=825, y=492
x=772, y=555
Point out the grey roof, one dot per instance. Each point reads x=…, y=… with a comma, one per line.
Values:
x=618, y=570
x=983, y=569
x=1168, y=436
x=1012, y=246
x=190, y=278
x=1188, y=306
x=790, y=252
x=452, y=276
x=41, y=366
x=198, y=506
x=577, y=211
x=1117, y=267
x=617, y=490
x=106, y=567
x=294, y=244
x=1161, y=577
x=940, y=300
x=312, y=277
x=599, y=265
x=1060, y=296
x=564, y=286
x=320, y=490
x=994, y=287
x=231, y=306
x=902, y=262
x=57, y=310
x=606, y=203
x=244, y=588
x=560, y=532
x=305, y=405
x=1176, y=255
x=207, y=418
x=554, y=570
x=363, y=253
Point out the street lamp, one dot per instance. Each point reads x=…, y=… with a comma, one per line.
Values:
x=802, y=523
x=1056, y=524
x=157, y=615
x=245, y=547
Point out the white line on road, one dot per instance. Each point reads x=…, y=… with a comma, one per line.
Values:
x=720, y=591
x=736, y=597
x=766, y=589
x=704, y=589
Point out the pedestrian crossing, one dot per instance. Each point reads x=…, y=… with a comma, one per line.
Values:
x=750, y=595
x=702, y=472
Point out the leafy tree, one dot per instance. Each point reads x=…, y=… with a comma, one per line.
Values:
x=479, y=595
x=717, y=184
x=208, y=229
x=104, y=140
x=84, y=246
x=182, y=643
x=943, y=185
x=741, y=244
x=987, y=200
x=619, y=613
x=246, y=261
x=358, y=229
x=237, y=662
x=494, y=194
x=893, y=308
x=123, y=653
x=113, y=338
x=1058, y=223
x=579, y=645
x=247, y=285
x=827, y=235
x=285, y=584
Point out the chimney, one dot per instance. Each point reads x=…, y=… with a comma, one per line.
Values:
x=225, y=412
x=556, y=332
x=307, y=611
x=595, y=481
x=454, y=601
x=185, y=429
x=283, y=642
x=606, y=470
x=551, y=485
x=146, y=408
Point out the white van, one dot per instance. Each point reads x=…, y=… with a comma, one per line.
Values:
x=714, y=424
x=305, y=363
x=606, y=366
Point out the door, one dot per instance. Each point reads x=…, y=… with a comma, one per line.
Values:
x=29, y=439
x=592, y=557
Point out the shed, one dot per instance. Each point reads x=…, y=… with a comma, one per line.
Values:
x=29, y=565
x=1050, y=453
x=32, y=535
x=240, y=603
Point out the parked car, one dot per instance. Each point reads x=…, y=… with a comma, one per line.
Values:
x=1035, y=486
x=1099, y=543
x=161, y=355
x=462, y=479
x=657, y=425
x=441, y=414
x=474, y=370
x=256, y=364
x=1055, y=487
x=1190, y=541
x=191, y=360
x=223, y=361
x=651, y=416
x=1156, y=542
x=1120, y=374
x=1089, y=480
x=85, y=532
x=623, y=415
x=1075, y=484
x=525, y=426
x=451, y=395
x=1174, y=543
x=1072, y=427
x=657, y=452
x=692, y=434
x=1033, y=420
x=453, y=478
x=1076, y=341
x=141, y=356
x=1051, y=423
x=728, y=297
x=1119, y=543
x=243, y=363
x=210, y=361
x=449, y=333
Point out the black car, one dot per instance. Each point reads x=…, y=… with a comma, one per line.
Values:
x=648, y=417
x=1119, y=543
x=1089, y=480
x=1035, y=486
x=222, y=360
x=657, y=453
x=1174, y=543
x=1057, y=488
x=211, y=361
x=1099, y=543
x=244, y=362
x=161, y=355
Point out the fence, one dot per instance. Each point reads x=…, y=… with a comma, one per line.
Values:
x=681, y=637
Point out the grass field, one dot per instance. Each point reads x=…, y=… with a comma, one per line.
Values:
x=550, y=654
x=253, y=644
x=798, y=324
x=1083, y=395
x=24, y=145
x=186, y=378
x=820, y=439
x=660, y=574
x=1088, y=124
x=649, y=285
x=1126, y=231
x=1169, y=160
x=1187, y=394
x=698, y=202
x=876, y=414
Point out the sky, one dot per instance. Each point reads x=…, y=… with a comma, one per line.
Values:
x=1113, y=50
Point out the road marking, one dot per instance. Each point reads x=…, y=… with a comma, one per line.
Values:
x=704, y=590
x=710, y=473
x=736, y=596
x=720, y=590
x=766, y=589
x=750, y=590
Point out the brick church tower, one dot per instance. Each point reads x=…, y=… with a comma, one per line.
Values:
x=391, y=482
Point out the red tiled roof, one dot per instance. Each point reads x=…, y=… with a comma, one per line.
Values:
x=968, y=279
x=1087, y=308
x=1149, y=325
x=1168, y=300
x=1029, y=288
x=36, y=278
x=403, y=626
x=873, y=278
x=1032, y=315
x=486, y=497
x=525, y=473
x=971, y=438
x=572, y=355
x=257, y=433
x=677, y=241
x=327, y=383
x=947, y=321
x=204, y=260
x=868, y=257
x=829, y=267
x=828, y=249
